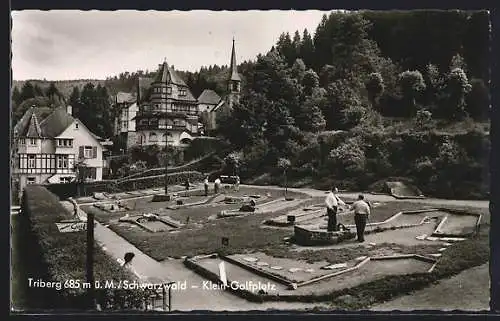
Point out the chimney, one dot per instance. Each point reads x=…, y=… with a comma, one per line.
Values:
x=69, y=110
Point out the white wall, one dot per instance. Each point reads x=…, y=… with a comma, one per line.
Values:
x=83, y=137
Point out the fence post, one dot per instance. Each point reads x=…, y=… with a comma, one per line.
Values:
x=170, y=299
x=164, y=299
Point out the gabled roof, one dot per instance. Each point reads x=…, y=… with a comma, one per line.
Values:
x=209, y=97
x=123, y=97
x=167, y=74
x=29, y=124
x=56, y=123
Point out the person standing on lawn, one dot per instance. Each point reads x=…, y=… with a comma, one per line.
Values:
x=361, y=212
x=217, y=183
x=237, y=184
x=332, y=203
x=205, y=183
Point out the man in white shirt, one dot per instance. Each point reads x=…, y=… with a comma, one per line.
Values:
x=361, y=212
x=217, y=185
x=332, y=203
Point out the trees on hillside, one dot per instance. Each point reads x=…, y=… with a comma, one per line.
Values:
x=412, y=84
x=93, y=107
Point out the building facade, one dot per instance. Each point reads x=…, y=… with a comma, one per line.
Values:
x=50, y=150
x=163, y=110
x=169, y=112
x=126, y=106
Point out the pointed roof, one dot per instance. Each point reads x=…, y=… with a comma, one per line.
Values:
x=29, y=124
x=167, y=74
x=209, y=97
x=56, y=123
x=233, y=69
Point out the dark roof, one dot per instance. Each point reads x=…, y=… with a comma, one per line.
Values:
x=56, y=123
x=29, y=124
x=123, y=97
x=209, y=97
x=143, y=84
x=233, y=74
x=167, y=74
x=218, y=106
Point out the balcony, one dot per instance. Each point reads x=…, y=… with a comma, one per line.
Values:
x=139, y=127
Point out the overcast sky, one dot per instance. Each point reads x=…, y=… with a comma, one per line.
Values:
x=59, y=45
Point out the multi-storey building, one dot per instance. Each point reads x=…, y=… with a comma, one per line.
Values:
x=168, y=112
x=163, y=110
x=49, y=150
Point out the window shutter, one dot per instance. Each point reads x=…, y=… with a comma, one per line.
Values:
x=80, y=155
x=94, y=172
x=94, y=151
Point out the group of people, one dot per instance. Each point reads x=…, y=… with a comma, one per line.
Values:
x=218, y=183
x=360, y=207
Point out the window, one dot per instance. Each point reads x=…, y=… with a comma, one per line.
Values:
x=164, y=90
x=33, y=141
x=30, y=180
x=141, y=139
x=143, y=122
x=64, y=143
x=22, y=141
x=90, y=173
x=235, y=86
x=169, y=90
x=162, y=124
x=65, y=180
x=62, y=161
x=153, y=137
x=76, y=125
x=31, y=161
x=124, y=124
x=182, y=92
x=87, y=152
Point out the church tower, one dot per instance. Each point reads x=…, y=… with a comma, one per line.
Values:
x=234, y=82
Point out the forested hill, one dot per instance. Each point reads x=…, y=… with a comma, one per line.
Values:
x=65, y=87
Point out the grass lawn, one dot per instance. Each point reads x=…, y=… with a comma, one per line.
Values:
x=384, y=211
x=243, y=232
x=245, y=235
x=334, y=256
x=196, y=213
x=459, y=257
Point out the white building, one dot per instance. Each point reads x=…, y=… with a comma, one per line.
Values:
x=46, y=151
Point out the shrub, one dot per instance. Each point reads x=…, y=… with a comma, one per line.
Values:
x=60, y=257
x=423, y=119
x=349, y=157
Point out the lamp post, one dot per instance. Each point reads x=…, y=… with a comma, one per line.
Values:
x=166, y=158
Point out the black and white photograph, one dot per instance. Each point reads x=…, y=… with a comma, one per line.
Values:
x=249, y=161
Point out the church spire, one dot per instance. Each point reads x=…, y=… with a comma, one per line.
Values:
x=233, y=70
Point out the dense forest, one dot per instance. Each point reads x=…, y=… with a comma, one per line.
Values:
x=366, y=96
x=369, y=96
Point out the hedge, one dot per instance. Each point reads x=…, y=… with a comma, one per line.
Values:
x=60, y=257
x=64, y=191
x=205, y=163
x=203, y=145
